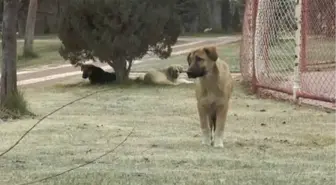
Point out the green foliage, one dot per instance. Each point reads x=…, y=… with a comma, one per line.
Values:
x=188, y=10
x=117, y=30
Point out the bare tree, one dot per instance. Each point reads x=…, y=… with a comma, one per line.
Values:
x=22, y=16
x=215, y=7
x=8, y=72
x=30, y=28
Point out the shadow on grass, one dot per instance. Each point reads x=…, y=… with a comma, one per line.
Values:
x=15, y=107
x=132, y=83
x=28, y=56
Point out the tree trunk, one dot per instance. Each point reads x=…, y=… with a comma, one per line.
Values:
x=21, y=26
x=226, y=16
x=30, y=28
x=22, y=17
x=8, y=71
x=209, y=8
x=121, y=71
x=215, y=8
x=216, y=15
x=194, y=25
x=204, y=16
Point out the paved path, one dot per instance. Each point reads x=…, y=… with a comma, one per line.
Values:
x=47, y=75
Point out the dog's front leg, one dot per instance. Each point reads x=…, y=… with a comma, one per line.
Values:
x=221, y=115
x=205, y=127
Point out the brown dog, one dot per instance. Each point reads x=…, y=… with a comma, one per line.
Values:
x=214, y=86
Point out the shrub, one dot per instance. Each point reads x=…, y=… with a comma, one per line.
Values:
x=117, y=31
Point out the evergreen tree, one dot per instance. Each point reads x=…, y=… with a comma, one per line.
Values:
x=117, y=31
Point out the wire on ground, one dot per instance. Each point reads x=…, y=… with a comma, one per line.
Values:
x=84, y=164
x=47, y=115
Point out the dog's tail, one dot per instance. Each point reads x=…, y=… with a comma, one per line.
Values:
x=139, y=78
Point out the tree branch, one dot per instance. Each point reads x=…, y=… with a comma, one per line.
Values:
x=130, y=63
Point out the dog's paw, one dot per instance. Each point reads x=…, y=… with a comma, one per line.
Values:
x=206, y=141
x=218, y=143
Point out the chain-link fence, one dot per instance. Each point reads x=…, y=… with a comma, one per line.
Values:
x=289, y=46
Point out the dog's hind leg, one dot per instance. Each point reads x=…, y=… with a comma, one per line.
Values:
x=212, y=123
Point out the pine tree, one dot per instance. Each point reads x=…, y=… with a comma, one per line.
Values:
x=117, y=31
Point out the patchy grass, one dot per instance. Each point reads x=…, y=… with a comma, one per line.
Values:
x=46, y=36
x=209, y=34
x=45, y=53
x=321, y=50
x=228, y=52
x=318, y=51
x=266, y=141
x=27, y=55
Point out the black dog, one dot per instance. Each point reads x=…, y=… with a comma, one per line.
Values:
x=96, y=74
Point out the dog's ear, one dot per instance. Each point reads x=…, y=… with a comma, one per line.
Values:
x=188, y=58
x=84, y=67
x=180, y=69
x=170, y=70
x=211, y=52
x=173, y=71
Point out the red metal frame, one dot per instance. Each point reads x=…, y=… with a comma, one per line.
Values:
x=299, y=94
x=303, y=61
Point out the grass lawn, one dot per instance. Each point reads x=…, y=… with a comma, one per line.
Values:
x=227, y=52
x=47, y=51
x=266, y=142
x=46, y=48
x=209, y=34
x=282, y=53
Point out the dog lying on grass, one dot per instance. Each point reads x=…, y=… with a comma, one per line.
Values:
x=166, y=76
x=96, y=74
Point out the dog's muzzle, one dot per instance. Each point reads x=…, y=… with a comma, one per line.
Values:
x=191, y=75
x=195, y=75
x=84, y=76
x=175, y=75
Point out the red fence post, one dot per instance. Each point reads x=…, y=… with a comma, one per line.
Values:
x=254, y=20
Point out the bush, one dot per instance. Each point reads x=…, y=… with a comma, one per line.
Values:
x=117, y=31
